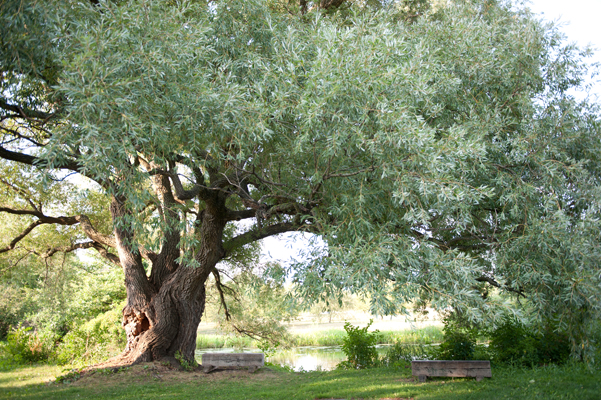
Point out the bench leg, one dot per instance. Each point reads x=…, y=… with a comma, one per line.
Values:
x=479, y=378
x=207, y=368
x=422, y=378
x=252, y=369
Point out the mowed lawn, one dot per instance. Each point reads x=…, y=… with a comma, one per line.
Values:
x=155, y=381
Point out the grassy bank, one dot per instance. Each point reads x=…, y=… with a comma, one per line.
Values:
x=329, y=337
x=152, y=381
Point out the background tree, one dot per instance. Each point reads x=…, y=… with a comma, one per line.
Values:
x=436, y=156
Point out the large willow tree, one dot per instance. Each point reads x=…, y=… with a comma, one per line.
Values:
x=437, y=151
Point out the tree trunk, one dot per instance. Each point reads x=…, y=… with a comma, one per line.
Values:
x=164, y=309
x=170, y=328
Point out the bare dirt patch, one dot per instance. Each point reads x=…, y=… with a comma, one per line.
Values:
x=163, y=372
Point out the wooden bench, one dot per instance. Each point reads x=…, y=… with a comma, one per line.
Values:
x=458, y=369
x=211, y=361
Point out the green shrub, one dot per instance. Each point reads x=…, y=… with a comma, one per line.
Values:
x=457, y=346
x=27, y=346
x=514, y=343
x=401, y=354
x=359, y=346
x=553, y=347
x=94, y=341
x=459, y=342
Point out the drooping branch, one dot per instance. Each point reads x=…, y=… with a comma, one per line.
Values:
x=20, y=191
x=219, y=287
x=14, y=264
x=347, y=174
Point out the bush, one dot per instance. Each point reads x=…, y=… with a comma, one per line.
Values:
x=514, y=343
x=94, y=341
x=401, y=354
x=26, y=346
x=459, y=342
x=553, y=347
x=13, y=308
x=457, y=346
x=359, y=346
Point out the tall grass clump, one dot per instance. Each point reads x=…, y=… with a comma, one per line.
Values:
x=324, y=338
x=426, y=335
x=224, y=341
x=327, y=337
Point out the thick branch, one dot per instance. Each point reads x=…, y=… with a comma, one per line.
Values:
x=84, y=245
x=496, y=284
x=106, y=255
x=180, y=193
x=86, y=226
x=41, y=217
x=165, y=262
x=18, y=157
x=239, y=215
x=327, y=4
x=66, y=249
x=21, y=192
x=26, y=113
x=20, y=237
x=38, y=162
x=258, y=234
x=93, y=234
x=303, y=7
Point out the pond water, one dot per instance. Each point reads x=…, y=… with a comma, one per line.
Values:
x=298, y=358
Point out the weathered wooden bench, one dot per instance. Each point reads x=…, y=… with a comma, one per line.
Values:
x=457, y=369
x=253, y=361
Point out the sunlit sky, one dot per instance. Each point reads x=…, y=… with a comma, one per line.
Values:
x=578, y=19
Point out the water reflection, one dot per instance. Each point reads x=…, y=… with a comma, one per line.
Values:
x=309, y=358
x=299, y=358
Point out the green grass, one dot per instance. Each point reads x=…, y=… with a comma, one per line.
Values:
x=567, y=382
x=328, y=337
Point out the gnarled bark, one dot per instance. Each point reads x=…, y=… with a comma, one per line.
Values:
x=164, y=309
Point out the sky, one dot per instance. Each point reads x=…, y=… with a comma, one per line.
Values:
x=578, y=19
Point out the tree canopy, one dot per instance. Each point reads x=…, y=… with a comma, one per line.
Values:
x=435, y=148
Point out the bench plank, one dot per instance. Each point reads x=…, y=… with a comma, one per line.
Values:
x=457, y=369
x=211, y=361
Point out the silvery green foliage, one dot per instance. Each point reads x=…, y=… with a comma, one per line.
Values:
x=438, y=159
